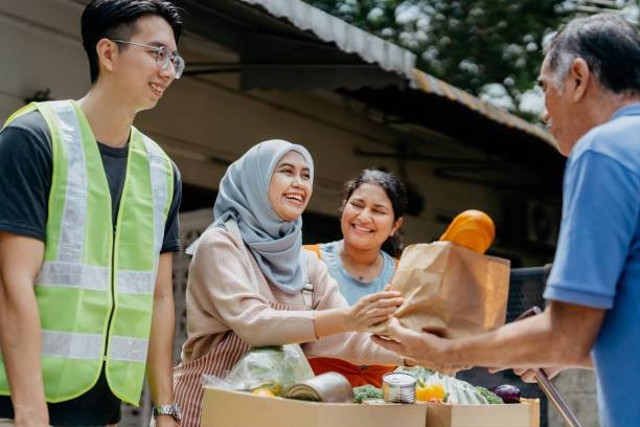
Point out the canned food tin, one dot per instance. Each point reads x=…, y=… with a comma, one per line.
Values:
x=399, y=387
x=330, y=387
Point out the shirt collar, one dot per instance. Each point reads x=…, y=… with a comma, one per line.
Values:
x=628, y=110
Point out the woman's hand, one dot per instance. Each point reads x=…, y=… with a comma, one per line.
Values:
x=420, y=348
x=373, y=309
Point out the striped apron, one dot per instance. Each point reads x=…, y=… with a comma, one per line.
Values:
x=187, y=377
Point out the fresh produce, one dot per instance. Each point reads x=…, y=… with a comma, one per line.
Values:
x=365, y=392
x=276, y=368
x=457, y=391
x=493, y=398
x=472, y=229
x=433, y=392
x=274, y=388
x=263, y=391
x=507, y=392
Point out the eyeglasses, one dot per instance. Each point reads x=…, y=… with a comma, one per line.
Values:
x=163, y=56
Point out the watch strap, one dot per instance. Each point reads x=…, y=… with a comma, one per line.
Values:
x=172, y=410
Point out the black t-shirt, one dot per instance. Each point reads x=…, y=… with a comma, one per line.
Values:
x=26, y=168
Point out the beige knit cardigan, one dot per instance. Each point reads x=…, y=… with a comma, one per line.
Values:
x=222, y=295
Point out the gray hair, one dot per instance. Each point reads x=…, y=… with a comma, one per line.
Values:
x=608, y=44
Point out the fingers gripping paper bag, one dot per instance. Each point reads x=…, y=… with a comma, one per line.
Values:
x=450, y=290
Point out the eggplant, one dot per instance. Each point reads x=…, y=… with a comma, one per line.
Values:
x=507, y=392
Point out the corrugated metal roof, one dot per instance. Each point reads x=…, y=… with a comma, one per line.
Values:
x=350, y=39
x=430, y=84
x=388, y=56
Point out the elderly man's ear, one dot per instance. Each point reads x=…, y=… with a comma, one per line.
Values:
x=579, y=78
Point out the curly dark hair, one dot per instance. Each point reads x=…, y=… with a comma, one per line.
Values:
x=395, y=191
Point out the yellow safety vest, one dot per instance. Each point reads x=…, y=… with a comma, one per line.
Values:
x=95, y=289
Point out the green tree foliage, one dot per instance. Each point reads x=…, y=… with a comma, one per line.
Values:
x=491, y=48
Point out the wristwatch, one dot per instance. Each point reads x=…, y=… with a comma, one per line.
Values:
x=173, y=410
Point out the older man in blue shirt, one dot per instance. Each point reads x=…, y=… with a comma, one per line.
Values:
x=591, y=80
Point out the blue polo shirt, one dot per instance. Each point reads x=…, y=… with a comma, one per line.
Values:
x=597, y=262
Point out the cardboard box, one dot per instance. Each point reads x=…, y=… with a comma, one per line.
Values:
x=509, y=415
x=224, y=408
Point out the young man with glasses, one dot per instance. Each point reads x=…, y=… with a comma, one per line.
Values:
x=88, y=227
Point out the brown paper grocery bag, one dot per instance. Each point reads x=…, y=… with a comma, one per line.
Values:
x=451, y=290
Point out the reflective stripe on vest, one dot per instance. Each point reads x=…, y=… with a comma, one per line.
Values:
x=74, y=275
x=95, y=288
x=72, y=345
x=159, y=185
x=71, y=244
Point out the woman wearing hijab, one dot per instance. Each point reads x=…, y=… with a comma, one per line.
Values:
x=251, y=284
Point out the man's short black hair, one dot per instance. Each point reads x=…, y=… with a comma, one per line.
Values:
x=116, y=19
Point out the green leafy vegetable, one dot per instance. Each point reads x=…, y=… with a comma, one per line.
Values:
x=493, y=398
x=365, y=392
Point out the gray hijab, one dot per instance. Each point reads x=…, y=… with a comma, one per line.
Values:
x=244, y=196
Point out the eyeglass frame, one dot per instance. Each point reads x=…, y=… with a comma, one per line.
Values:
x=173, y=58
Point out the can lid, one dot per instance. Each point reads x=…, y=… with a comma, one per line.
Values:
x=398, y=378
